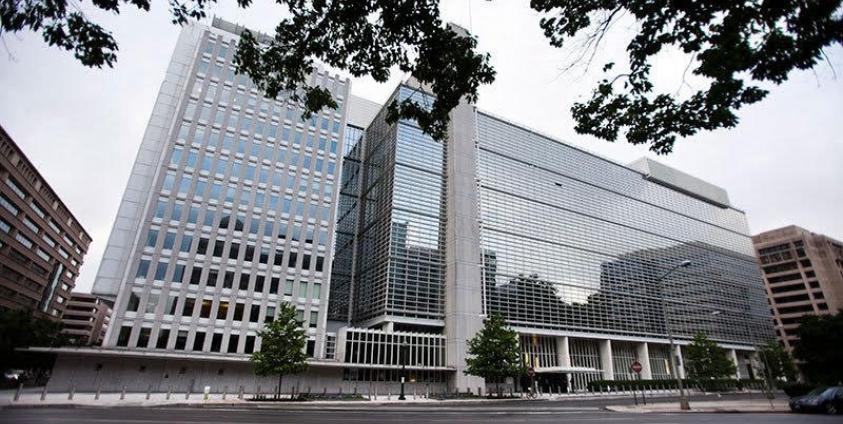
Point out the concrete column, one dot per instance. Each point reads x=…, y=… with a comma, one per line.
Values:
x=563, y=352
x=680, y=361
x=463, y=279
x=339, y=350
x=606, y=360
x=643, y=354
x=733, y=355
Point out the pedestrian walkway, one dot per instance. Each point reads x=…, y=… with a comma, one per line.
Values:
x=753, y=405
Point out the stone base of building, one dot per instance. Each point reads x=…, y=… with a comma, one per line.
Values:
x=114, y=371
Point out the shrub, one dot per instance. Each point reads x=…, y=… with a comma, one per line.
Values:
x=719, y=385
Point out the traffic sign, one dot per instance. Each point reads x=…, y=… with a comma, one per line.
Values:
x=531, y=372
x=636, y=366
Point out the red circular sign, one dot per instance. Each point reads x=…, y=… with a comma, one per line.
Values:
x=636, y=366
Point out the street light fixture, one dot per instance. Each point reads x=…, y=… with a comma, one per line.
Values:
x=404, y=348
x=683, y=400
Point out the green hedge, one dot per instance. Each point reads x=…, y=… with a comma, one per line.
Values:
x=721, y=385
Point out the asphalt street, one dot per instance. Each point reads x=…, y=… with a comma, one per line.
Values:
x=537, y=413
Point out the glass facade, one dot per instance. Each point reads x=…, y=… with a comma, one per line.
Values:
x=574, y=242
x=242, y=214
x=395, y=205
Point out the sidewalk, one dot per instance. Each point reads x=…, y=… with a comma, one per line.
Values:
x=755, y=405
x=31, y=398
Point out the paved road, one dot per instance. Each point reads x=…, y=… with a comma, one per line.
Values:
x=391, y=415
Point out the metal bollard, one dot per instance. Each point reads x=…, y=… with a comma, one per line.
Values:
x=187, y=394
x=258, y=393
x=414, y=391
x=97, y=394
x=72, y=391
x=479, y=391
x=388, y=395
x=224, y=389
x=148, y=391
x=240, y=393
x=340, y=391
x=169, y=391
x=18, y=393
x=123, y=393
x=324, y=390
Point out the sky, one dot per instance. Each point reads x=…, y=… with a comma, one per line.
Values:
x=81, y=127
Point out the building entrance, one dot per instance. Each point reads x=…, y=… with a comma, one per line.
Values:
x=552, y=382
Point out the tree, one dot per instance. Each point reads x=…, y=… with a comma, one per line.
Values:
x=777, y=361
x=282, y=349
x=736, y=45
x=494, y=351
x=363, y=37
x=704, y=360
x=818, y=348
x=21, y=329
x=733, y=45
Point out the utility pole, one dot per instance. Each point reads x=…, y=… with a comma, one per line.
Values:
x=683, y=400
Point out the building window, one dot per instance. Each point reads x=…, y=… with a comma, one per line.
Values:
x=7, y=204
x=205, y=308
x=13, y=185
x=314, y=318
x=163, y=338
x=134, y=302
x=187, y=309
x=233, y=341
x=199, y=341
x=181, y=340
x=123, y=337
x=143, y=268
x=216, y=342
x=143, y=337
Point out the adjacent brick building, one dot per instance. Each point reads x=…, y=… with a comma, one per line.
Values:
x=42, y=245
x=86, y=318
x=803, y=274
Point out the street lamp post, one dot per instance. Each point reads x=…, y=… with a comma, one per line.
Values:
x=683, y=400
x=404, y=348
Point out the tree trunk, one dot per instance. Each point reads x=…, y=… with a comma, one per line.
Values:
x=278, y=390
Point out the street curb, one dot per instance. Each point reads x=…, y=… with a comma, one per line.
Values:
x=623, y=409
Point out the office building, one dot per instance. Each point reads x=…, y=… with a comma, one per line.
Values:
x=42, y=245
x=85, y=319
x=569, y=247
x=235, y=205
x=803, y=274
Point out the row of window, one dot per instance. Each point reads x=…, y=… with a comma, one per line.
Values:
x=227, y=278
x=7, y=204
x=313, y=211
x=14, y=210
